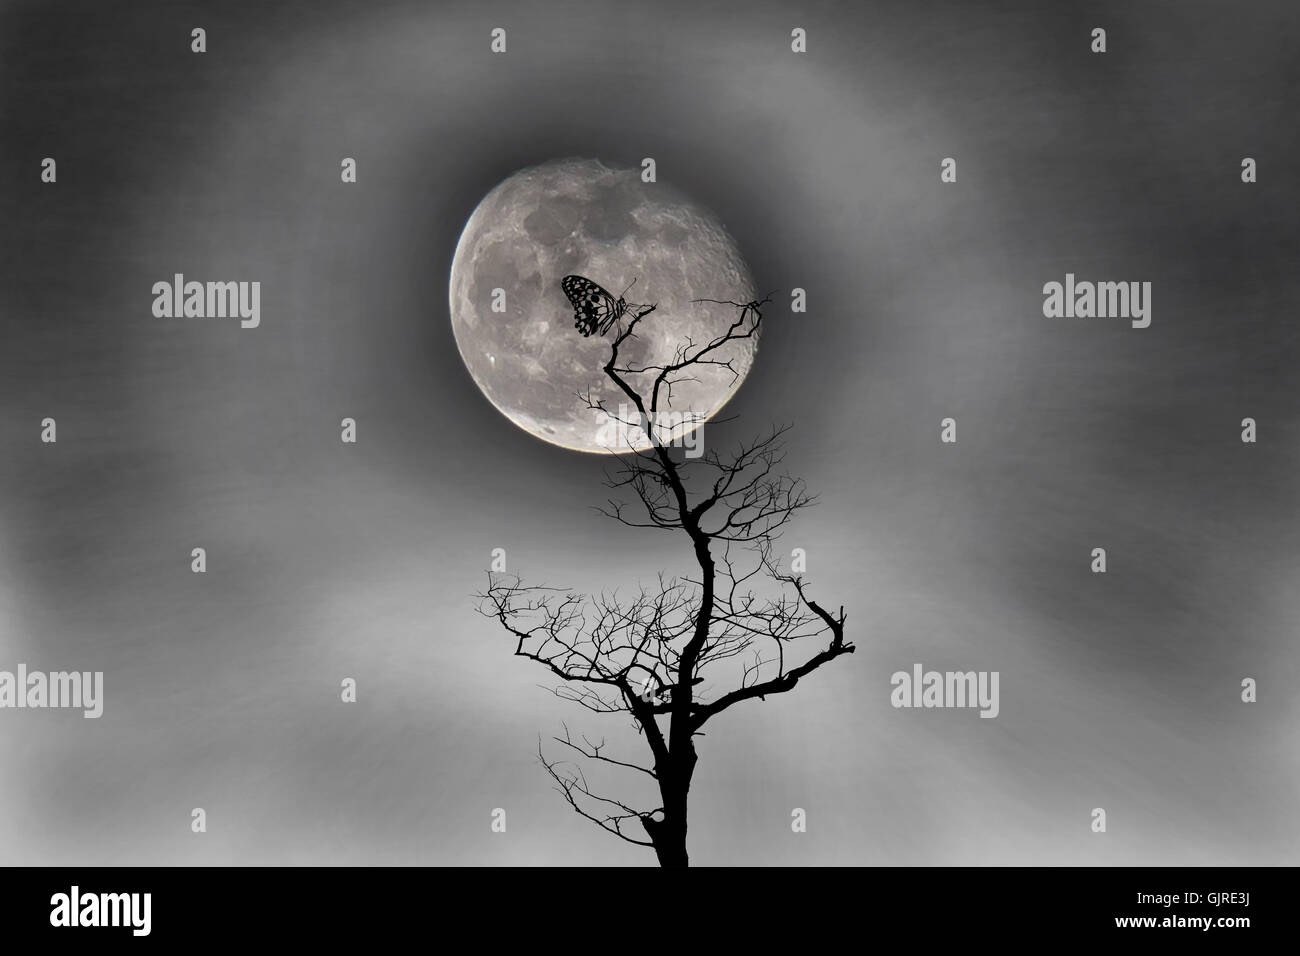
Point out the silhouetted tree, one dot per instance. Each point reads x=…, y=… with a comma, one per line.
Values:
x=736, y=616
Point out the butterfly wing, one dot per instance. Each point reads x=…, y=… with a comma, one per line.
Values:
x=594, y=309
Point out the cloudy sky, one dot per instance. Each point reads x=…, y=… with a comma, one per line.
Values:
x=327, y=560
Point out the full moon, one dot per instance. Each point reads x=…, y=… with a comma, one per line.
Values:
x=580, y=216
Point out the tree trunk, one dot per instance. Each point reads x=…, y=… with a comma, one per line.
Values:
x=669, y=838
x=669, y=834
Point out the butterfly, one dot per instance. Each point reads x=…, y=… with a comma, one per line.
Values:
x=594, y=309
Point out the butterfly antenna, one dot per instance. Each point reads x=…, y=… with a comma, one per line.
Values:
x=629, y=285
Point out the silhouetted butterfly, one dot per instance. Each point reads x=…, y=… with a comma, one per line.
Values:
x=594, y=309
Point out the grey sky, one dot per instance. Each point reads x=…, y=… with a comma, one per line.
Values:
x=326, y=561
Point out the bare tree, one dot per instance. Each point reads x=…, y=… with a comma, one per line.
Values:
x=735, y=618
